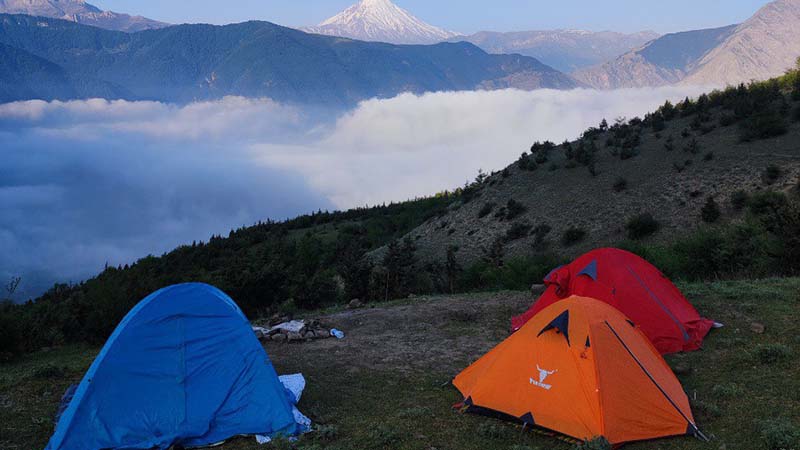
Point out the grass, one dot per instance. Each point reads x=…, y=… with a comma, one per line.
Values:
x=744, y=386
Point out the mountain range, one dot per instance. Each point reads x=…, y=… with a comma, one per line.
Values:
x=382, y=21
x=764, y=46
x=565, y=50
x=57, y=59
x=81, y=12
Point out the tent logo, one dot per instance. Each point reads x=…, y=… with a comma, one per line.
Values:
x=543, y=374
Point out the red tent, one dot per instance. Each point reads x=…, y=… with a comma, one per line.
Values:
x=636, y=288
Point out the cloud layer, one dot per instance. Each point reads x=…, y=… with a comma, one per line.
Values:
x=83, y=183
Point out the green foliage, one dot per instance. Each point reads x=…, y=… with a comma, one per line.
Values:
x=517, y=273
x=486, y=209
x=517, y=231
x=710, y=212
x=620, y=184
x=780, y=434
x=50, y=371
x=773, y=353
x=526, y=162
x=763, y=125
x=709, y=156
x=726, y=391
x=490, y=430
x=641, y=226
x=739, y=199
x=514, y=209
x=572, y=236
x=596, y=443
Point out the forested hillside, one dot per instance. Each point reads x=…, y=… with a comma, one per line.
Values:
x=707, y=188
x=255, y=59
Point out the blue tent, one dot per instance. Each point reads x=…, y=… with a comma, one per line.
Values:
x=183, y=367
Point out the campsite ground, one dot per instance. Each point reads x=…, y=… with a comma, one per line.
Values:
x=385, y=384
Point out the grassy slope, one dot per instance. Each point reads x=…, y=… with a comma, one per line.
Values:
x=381, y=387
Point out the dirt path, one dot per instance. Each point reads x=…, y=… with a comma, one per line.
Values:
x=421, y=334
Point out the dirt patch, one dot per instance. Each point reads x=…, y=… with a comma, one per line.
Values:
x=441, y=334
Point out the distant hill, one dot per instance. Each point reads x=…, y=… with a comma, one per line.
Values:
x=565, y=50
x=81, y=12
x=187, y=62
x=663, y=61
x=764, y=46
x=381, y=21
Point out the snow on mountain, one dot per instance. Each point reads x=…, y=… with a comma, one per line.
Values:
x=81, y=12
x=383, y=21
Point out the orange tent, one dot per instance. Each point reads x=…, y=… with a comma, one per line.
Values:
x=582, y=369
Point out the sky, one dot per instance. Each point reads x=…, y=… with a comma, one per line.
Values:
x=465, y=16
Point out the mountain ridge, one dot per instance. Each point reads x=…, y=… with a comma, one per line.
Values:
x=183, y=63
x=565, y=50
x=762, y=47
x=80, y=12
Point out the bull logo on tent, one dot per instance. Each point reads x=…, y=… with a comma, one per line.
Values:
x=543, y=374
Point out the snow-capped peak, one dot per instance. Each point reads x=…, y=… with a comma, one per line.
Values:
x=381, y=20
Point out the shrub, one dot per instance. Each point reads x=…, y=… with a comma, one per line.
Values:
x=771, y=174
x=526, y=162
x=628, y=153
x=739, y=200
x=693, y=147
x=620, y=184
x=773, y=353
x=710, y=212
x=487, y=209
x=796, y=113
x=517, y=231
x=572, y=236
x=727, y=120
x=597, y=443
x=540, y=232
x=708, y=156
x=514, y=209
x=763, y=125
x=779, y=434
x=641, y=226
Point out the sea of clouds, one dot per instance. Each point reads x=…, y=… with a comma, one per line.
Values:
x=85, y=183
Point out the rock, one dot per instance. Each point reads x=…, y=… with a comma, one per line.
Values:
x=758, y=328
x=323, y=334
x=294, y=336
x=355, y=303
x=278, y=337
x=682, y=369
x=538, y=289
x=310, y=334
x=412, y=296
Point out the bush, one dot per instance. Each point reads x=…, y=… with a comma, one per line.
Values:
x=773, y=353
x=517, y=231
x=514, y=209
x=486, y=209
x=780, y=434
x=620, y=184
x=597, y=443
x=739, y=200
x=50, y=371
x=710, y=212
x=763, y=125
x=539, y=233
x=708, y=156
x=771, y=174
x=526, y=162
x=796, y=113
x=572, y=236
x=641, y=226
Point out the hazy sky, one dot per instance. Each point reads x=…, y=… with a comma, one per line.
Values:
x=465, y=15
